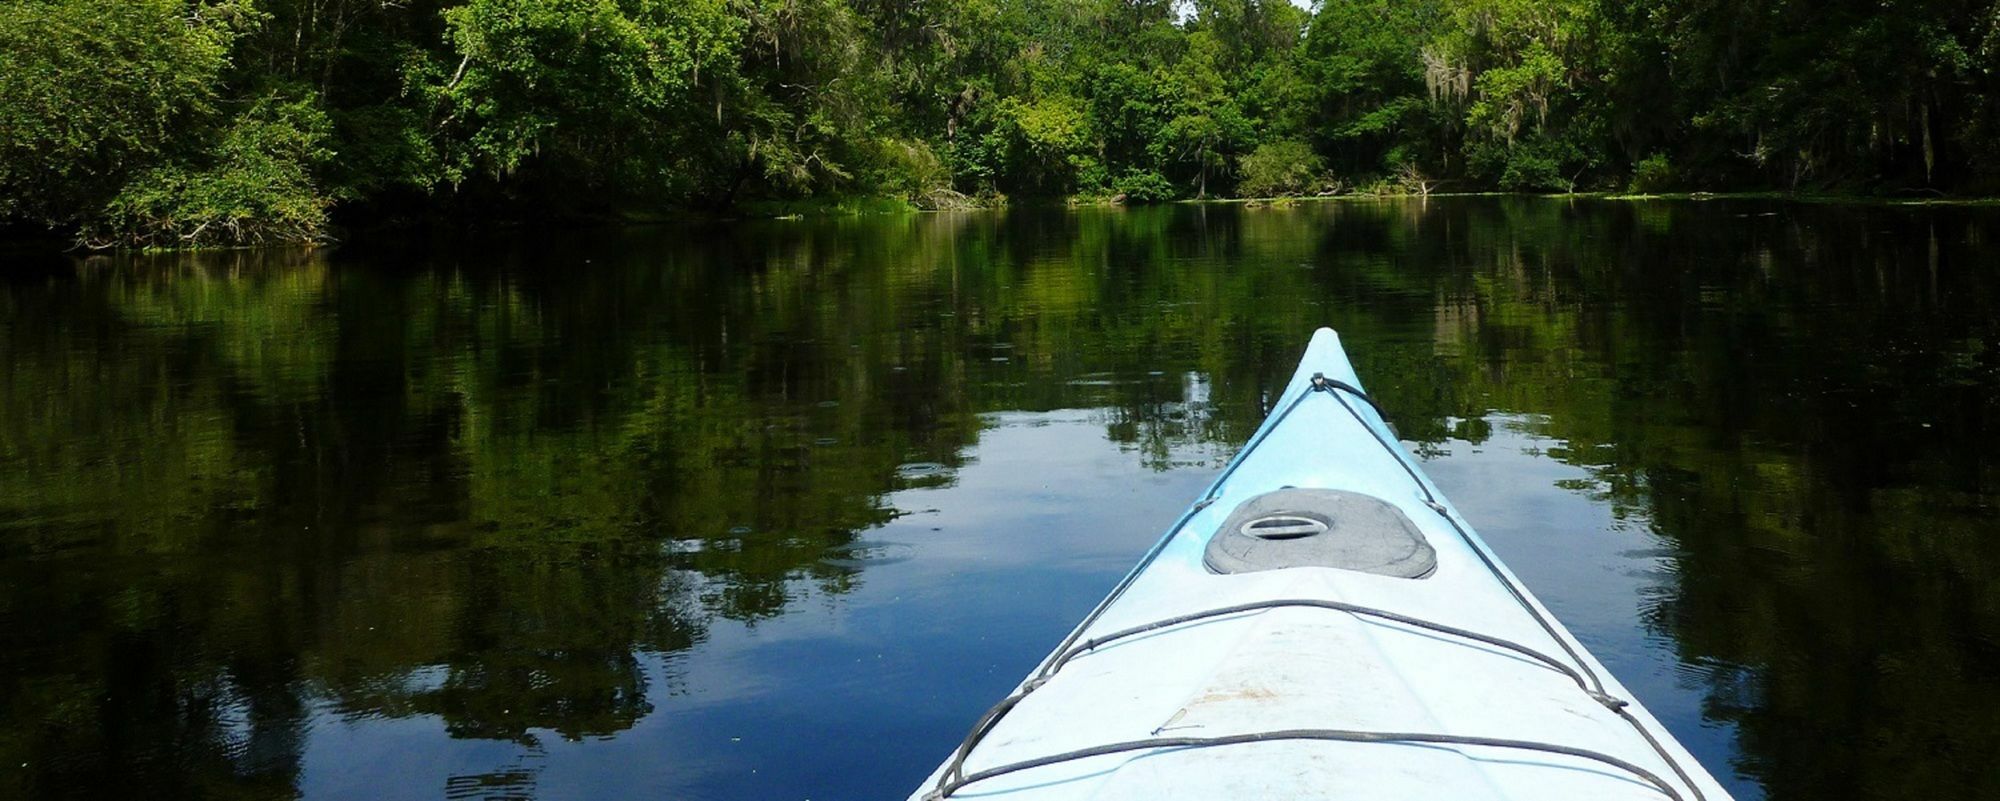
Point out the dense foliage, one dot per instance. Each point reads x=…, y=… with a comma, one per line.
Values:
x=195, y=122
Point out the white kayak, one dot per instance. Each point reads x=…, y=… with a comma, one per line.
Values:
x=1321, y=624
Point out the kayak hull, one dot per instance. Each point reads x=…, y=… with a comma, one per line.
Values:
x=1250, y=701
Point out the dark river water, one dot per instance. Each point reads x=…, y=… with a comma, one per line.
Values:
x=773, y=511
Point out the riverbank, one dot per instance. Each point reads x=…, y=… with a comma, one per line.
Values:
x=40, y=244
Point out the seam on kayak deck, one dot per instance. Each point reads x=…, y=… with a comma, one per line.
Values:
x=1100, y=641
x=946, y=788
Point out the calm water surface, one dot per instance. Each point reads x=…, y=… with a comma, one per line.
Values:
x=774, y=510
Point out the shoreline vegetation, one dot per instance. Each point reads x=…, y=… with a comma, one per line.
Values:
x=881, y=205
x=192, y=124
x=849, y=207
x=49, y=244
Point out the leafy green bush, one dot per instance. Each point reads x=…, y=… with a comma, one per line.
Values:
x=1285, y=167
x=1531, y=164
x=382, y=147
x=93, y=90
x=1145, y=186
x=255, y=186
x=1528, y=171
x=1046, y=144
x=576, y=85
x=1652, y=174
x=912, y=173
x=1092, y=176
x=906, y=168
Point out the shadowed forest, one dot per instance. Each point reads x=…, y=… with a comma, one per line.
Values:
x=189, y=123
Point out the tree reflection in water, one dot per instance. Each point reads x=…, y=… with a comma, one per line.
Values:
x=485, y=483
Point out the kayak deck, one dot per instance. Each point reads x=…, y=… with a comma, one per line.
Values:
x=1319, y=681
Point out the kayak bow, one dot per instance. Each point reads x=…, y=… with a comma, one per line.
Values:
x=1320, y=624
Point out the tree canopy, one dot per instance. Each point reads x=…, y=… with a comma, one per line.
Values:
x=223, y=122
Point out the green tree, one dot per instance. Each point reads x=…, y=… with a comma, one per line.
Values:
x=126, y=122
x=95, y=91
x=1284, y=167
x=583, y=96
x=1204, y=129
x=1528, y=74
x=1377, y=98
x=254, y=186
x=1047, y=144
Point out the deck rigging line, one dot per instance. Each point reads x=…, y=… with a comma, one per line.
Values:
x=949, y=786
x=1338, y=606
x=1320, y=383
x=1335, y=389
x=954, y=776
